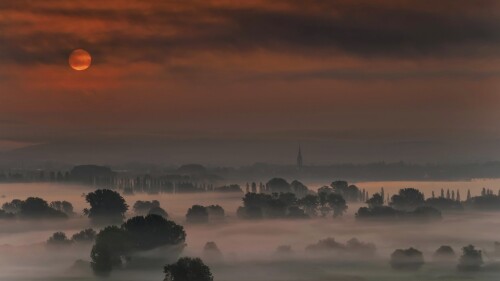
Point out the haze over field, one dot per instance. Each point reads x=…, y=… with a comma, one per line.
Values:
x=256, y=140
x=248, y=247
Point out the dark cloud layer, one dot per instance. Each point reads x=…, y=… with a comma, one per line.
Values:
x=391, y=71
x=367, y=29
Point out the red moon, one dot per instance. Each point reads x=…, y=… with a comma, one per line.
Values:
x=79, y=59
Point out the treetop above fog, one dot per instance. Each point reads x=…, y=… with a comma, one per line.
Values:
x=188, y=269
x=34, y=208
x=137, y=234
x=106, y=206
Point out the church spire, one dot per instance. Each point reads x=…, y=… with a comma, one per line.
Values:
x=299, y=159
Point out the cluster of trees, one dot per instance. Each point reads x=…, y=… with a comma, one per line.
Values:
x=60, y=239
x=261, y=205
x=408, y=204
x=114, y=244
x=279, y=185
x=407, y=259
x=149, y=207
x=351, y=247
x=486, y=202
x=287, y=205
x=202, y=214
x=188, y=269
x=411, y=203
x=444, y=204
x=106, y=207
x=351, y=193
x=92, y=175
x=36, y=208
x=412, y=259
x=63, y=206
x=444, y=254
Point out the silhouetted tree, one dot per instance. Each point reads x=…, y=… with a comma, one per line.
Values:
x=309, y=204
x=276, y=208
x=295, y=212
x=424, y=214
x=103, y=260
x=276, y=205
x=471, y=259
x=106, y=206
x=326, y=244
x=375, y=201
x=87, y=235
x=91, y=174
x=487, y=202
x=289, y=199
x=197, y=214
x=143, y=207
x=339, y=186
x=444, y=204
x=37, y=208
x=153, y=231
x=6, y=215
x=337, y=203
x=188, y=269
x=444, y=254
x=409, y=259
x=250, y=213
x=299, y=189
x=407, y=199
x=158, y=211
x=352, y=247
x=13, y=206
x=58, y=239
x=114, y=244
x=379, y=213
x=63, y=206
x=215, y=213
x=278, y=185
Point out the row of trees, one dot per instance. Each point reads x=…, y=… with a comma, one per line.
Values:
x=411, y=203
x=148, y=208
x=109, y=207
x=60, y=239
x=286, y=205
x=350, y=193
x=36, y=208
x=351, y=247
x=412, y=259
x=202, y=214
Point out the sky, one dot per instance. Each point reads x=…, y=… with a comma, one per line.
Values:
x=235, y=82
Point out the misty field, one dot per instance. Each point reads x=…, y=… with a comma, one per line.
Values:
x=248, y=247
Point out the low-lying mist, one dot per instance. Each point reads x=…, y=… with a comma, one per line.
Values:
x=249, y=247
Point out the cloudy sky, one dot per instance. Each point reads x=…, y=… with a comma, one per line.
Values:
x=353, y=81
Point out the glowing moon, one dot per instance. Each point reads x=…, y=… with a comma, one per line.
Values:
x=80, y=59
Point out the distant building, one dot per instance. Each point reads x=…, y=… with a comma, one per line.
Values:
x=299, y=159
